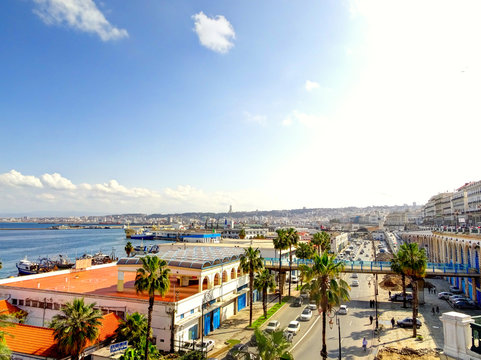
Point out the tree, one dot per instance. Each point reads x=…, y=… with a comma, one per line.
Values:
x=129, y=248
x=304, y=251
x=272, y=346
x=242, y=234
x=251, y=262
x=193, y=355
x=133, y=329
x=396, y=266
x=262, y=282
x=5, y=353
x=413, y=261
x=292, y=238
x=326, y=287
x=4, y=322
x=322, y=240
x=152, y=277
x=135, y=353
x=281, y=242
x=76, y=325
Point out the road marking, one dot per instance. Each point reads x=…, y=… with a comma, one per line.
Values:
x=307, y=332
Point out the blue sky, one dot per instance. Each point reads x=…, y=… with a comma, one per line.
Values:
x=171, y=106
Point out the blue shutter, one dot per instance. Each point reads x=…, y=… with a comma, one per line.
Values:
x=193, y=332
x=207, y=320
x=241, y=302
x=216, y=321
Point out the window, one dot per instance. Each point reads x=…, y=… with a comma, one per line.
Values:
x=27, y=302
x=14, y=301
x=192, y=311
x=56, y=306
x=49, y=305
x=181, y=316
x=20, y=302
x=34, y=303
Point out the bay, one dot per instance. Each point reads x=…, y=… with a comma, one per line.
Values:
x=18, y=244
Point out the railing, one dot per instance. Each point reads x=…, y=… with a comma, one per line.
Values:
x=475, y=335
x=374, y=265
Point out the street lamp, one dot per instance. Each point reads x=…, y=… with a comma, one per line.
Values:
x=338, y=323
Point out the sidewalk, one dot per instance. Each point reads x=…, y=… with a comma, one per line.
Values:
x=235, y=328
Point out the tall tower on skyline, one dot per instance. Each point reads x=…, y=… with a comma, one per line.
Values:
x=230, y=209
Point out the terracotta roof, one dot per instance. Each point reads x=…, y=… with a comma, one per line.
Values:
x=32, y=340
x=40, y=341
x=8, y=309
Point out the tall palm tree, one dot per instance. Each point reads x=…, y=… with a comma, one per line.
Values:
x=281, y=242
x=413, y=263
x=129, y=248
x=322, y=240
x=326, y=287
x=262, y=282
x=292, y=238
x=133, y=328
x=396, y=263
x=152, y=277
x=75, y=326
x=251, y=262
x=304, y=251
x=273, y=346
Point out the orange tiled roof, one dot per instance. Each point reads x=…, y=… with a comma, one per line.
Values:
x=7, y=309
x=40, y=341
x=32, y=340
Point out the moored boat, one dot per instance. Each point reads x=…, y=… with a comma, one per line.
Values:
x=145, y=235
x=27, y=267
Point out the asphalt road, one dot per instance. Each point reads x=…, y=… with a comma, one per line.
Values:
x=354, y=326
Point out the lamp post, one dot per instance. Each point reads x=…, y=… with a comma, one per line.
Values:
x=338, y=323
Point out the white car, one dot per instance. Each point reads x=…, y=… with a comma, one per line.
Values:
x=273, y=326
x=293, y=327
x=355, y=283
x=343, y=310
x=208, y=345
x=312, y=305
x=354, y=275
x=306, y=314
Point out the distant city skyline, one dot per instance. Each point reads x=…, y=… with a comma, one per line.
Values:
x=171, y=107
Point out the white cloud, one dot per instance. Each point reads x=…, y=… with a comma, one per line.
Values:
x=81, y=15
x=214, y=33
x=57, y=181
x=15, y=178
x=307, y=120
x=255, y=118
x=311, y=85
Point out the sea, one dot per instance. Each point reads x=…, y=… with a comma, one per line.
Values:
x=39, y=241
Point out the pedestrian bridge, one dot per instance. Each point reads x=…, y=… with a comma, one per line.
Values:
x=379, y=267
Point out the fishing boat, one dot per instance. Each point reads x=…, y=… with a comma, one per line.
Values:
x=27, y=267
x=144, y=235
x=63, y=262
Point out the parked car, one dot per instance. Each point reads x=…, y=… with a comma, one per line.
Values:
x=238, y=352
x=293, y=327
x=343, y=310
x=465, y=304
x=304, y=294
x=298, y=302
x=354, y=275
x=399, y=297
x=354, y=283
x=294, y=279
x=408, y=322
x=273, y=326
x=207, y=345
x=253, y=341
x=306, y=314
x=444, y=295
x=454, y=298
x=455, y=290
x=312, y=305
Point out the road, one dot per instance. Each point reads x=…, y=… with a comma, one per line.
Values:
x=354, y=326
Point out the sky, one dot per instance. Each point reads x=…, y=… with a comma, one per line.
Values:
x=159, y=106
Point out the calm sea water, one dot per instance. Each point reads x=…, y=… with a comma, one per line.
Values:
x=16, y=244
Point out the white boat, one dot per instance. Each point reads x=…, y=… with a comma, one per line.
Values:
x=27, y=267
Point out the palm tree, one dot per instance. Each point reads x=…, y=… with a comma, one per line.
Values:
x=133, y=328
x=251, y=262
x=4, y=322
x=322, y=240
x=413, y=263
x=281, y=242
x=75, y=326
x=326, y=287
x=272, y=346
x=263, y=281
x=304, y=251
x=293, y=238
x=396, y=262
x=5, y=353
x=242, y=233
x=152, y=277
x=129, y=248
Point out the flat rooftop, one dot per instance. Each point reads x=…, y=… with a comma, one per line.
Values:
x=98, y=281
